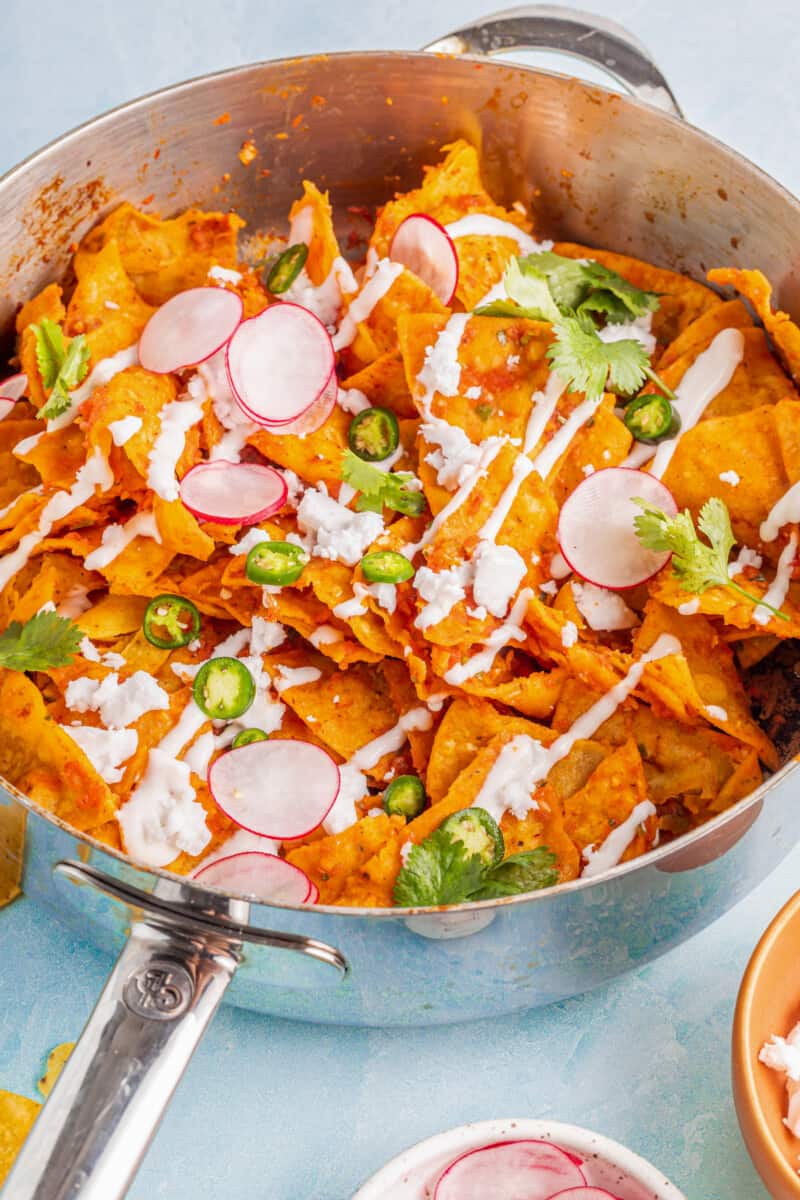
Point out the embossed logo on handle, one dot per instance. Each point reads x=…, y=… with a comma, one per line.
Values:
x=161, y=991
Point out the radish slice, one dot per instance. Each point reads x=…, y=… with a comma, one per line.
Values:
x=313, y=893
x=14, y=388
x=232, y=493
x=280, y=789
x=280, y=364
x=528, y=1170
x=313, y=417
x=189, y=328
x=584, y=1193
x=266, y=877
x=426, y=248
x=596, y=533
x=6, y=406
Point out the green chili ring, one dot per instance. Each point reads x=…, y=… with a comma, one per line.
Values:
x=374, y=434
x=164, y=613
x=479, y=833
x=386, y=566
x=404, y=797
x=286, y=269
x=275, y=563
x=223, y=689
x=651, y=418
x=245, y=736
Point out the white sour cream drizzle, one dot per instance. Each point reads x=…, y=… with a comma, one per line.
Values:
x=510, y=631
x=610, y=853
x=373, y=290
x=523, y=762
x=489, y=451
x=177, y=418
x=544, y=405
x=101, y=374
x=354, y=782
x=776, y=593
x=785, y=511
x=116, y=537
x=95, y=473
x=709, y=374
x=483, y=225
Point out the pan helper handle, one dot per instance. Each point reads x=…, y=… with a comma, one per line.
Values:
x=581, y=35
x=108, y=1102
x=166, y=986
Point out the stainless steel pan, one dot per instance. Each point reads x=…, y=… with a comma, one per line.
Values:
x=626, y=173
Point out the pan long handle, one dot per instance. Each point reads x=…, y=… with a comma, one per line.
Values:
x=120, y=1077
x=581, y=35
x=164, y=989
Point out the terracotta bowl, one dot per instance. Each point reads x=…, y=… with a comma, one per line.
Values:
x=412, y=1174
x=769, y=1003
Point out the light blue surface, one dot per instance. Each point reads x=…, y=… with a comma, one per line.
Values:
x=270, y=1109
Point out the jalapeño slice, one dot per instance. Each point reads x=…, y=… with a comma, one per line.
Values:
x=479, y=833
x=277, y=563
x=170, y=621
x=245, y=736
x=404, y=797
x=386, y=566
x=374, y=434
x=223, y=688
x=651, y=418
x=286, y=269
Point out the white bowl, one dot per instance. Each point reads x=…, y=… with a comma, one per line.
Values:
x=413, y=1174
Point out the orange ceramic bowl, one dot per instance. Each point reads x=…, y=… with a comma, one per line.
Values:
x=769, y=1003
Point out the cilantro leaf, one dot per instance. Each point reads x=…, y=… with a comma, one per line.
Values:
x=696, y=564
x=438, y=871
x=526, y=872
x=443, y=870
x=381, y=489
x=573, y=283
x=62, y=367
x=588, y=364
x=49, y=350
x=46, y=640
x=610, y=306
x=529, y=288
x=500, y=308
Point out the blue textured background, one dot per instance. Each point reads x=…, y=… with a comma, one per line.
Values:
x=271, y=1109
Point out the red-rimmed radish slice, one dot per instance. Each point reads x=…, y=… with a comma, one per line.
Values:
x=6, y=406
x=426, y=248
x=267, y=877
x=189, y=328
x=14, y=388
x=526, y=1170
x=230, y=493
x=281, y=789
x=313, y=417
x=313, y=893
x=584, y=1193
x=280, y=364
x=596, y=532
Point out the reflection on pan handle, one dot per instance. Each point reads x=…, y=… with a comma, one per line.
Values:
x=581, y=35
x=159, y=999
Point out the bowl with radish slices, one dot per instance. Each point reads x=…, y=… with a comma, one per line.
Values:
x=518, y=1159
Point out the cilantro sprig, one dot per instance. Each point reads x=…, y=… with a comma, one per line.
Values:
x=441, y=870
x=46, y=640
x=381, y=489
x=588, y=364
x=698, y=565
x=62, y=367
x=570, y=294
x=583, y=286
